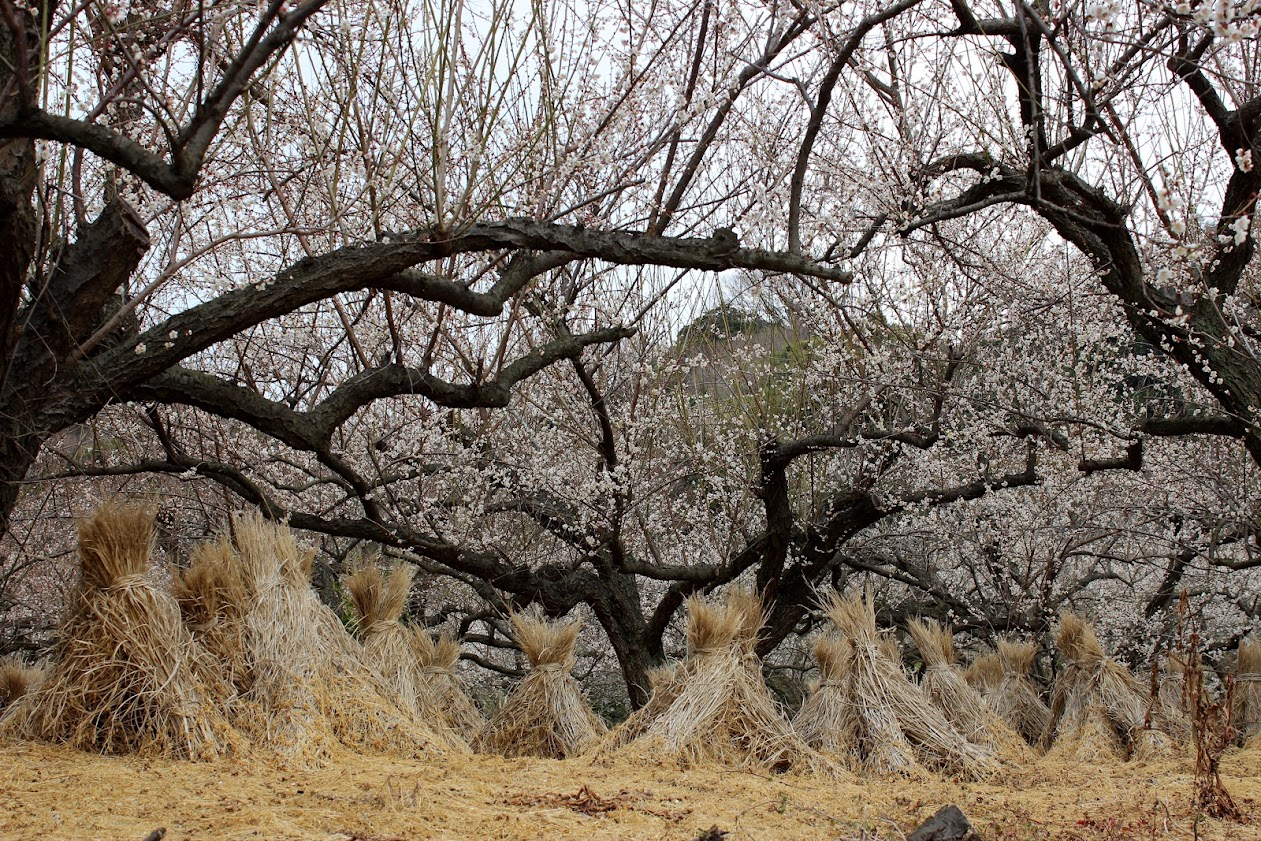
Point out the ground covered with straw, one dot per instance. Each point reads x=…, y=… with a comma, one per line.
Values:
x=51, y=791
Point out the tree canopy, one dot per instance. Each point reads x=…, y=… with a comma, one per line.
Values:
x=416, y=276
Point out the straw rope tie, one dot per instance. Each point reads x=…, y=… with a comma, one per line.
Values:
x=128, y=582
x=438, y=670
x=548, y=667
x=377, y=627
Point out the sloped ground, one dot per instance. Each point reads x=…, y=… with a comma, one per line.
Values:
x=54, y=793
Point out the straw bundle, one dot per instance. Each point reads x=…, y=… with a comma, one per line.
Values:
x=1171, y=701
x=985, y=674
x=1247, y=702
x=1099, y=711
x=944, y=684
x=547, y=714
x=881, y=721
x=441, y=687
x=16, y=680
x=963, y=706
x=823, y=720
x=714, y=708
x=377, y=602
x=212, y=598
x=126, y=676
x=311, y=688
x=1016, y=698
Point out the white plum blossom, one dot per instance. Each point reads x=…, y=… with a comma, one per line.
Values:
x=1241, y=226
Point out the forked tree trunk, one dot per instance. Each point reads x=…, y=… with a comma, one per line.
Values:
x=17, y=250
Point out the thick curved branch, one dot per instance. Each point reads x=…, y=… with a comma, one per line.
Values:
x=312, y=430
x=87, y=275
x=395, y=380
x=1173, y=427
x=385, y=265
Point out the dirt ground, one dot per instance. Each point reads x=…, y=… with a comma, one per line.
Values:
x=53, y=793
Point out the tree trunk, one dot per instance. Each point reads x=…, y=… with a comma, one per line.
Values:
x=622, y=617
x=17, y=454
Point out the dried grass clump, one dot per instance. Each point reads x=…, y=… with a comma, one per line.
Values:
x=1247, y=701
x=311, y=689
x=126, y=675
x=870, y=713
x=985, y=674
x=1099, y=711
x=1171, y=698
x=546, y=715
x=1016, y=698
x=442, y=688
x=17, y=679
x=377, y=602
x=212, y=599
x=714, y=708
x=963, y=706
x=822, y=719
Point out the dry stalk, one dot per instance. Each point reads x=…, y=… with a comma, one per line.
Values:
x=1211, y=733
x=714, y=708
x=546, y=715
x=1099, y=710
x=436, y=661
x=880, y=721
x=126, y=676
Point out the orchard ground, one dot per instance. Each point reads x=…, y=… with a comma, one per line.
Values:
x=49, y=792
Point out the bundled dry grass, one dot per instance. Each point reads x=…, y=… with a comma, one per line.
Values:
x=891, y=651
x=436, y=661
x=377, y=602
x=943, y=683
x=963, y=706
x=1016, y=698
x=822, y=720
x=1171, y=713
x=714, y=708
x=878, y=720
x=1099, y=711
x=985, y=674
x=546, y=715
x=311, y=688
x=17, y=679
x=1246, y=712
x=212, y=599
x=127, y=676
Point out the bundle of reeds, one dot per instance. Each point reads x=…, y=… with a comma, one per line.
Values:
x=17, y=679
x=714, y=707
x=377, y=601
x=546, y=715
x=1246, y=712
x=311, y=689
x=1099, y=710
x=126, y=676
x=1171, y=701
x=963, y=706
x=442, y=688
x=823, y=720
x=212, y=599
x=891, y=650
x=985, y=674
x=1016, y=698
x=881, y=722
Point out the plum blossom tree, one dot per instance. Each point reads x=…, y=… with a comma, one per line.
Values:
x=416, y=274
